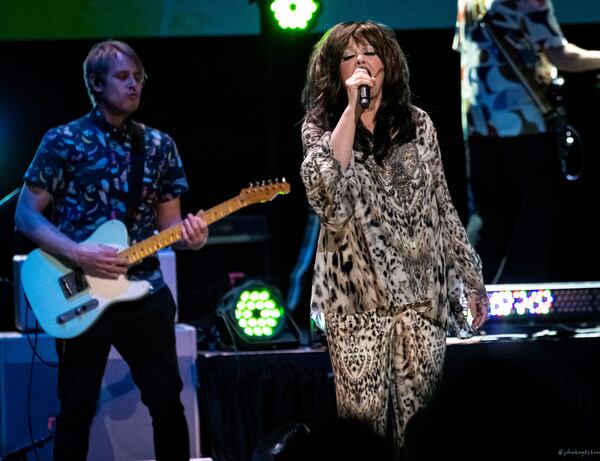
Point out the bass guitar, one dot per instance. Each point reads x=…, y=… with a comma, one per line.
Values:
x=67, y=302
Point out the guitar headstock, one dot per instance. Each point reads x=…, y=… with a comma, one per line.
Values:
x=264, y=191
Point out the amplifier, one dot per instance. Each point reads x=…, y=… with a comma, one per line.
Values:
x=122, y=428
x=24, y=316
x=236, y=244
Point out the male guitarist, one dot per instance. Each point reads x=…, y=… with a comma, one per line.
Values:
x=514, y=164
x=100, y=167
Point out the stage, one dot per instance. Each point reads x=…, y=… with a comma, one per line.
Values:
x=234, y=400
x=245, y=396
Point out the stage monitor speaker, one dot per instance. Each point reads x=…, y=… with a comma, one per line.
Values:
x=122, y=428
x=24, y=316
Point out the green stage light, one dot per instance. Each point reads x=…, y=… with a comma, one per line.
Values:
x=254, y=316
x=294, y=14
x=259, y=312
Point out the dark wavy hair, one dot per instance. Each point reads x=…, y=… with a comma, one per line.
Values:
x=324, y=96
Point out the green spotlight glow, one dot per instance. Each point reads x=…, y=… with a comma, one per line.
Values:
x=294, y=14
x=254, y=317
x=259, y=312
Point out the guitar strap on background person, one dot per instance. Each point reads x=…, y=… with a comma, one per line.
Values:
x=553, y=112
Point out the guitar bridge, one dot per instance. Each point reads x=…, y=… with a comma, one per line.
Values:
x=73, y=283
x=76, y=312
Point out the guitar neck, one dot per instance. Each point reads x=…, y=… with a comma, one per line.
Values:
x=171, y=235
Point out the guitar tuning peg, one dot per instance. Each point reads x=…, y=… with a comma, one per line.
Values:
x=283, y=179
x=262, y=183
x=269, y=182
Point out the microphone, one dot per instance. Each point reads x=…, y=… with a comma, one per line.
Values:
x=364, y=96
x=364, y=92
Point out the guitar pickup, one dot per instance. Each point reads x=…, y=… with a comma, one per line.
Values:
x=73, y=283
x=77, y=311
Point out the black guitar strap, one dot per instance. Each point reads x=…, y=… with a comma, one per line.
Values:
x=136, y=174
x=136, y=183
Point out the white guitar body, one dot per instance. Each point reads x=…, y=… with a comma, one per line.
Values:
x=65, y=307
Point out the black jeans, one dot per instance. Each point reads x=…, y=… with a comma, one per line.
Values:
x=143, y=332
x=515, y=185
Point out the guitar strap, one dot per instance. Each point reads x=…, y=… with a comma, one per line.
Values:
x=523, y=73
x=136, y=182
x=554, y=114
x=136, y=174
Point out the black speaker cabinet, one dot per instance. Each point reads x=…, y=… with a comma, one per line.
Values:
x=237, y=247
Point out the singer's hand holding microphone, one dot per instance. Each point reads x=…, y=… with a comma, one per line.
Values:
x=361, y=79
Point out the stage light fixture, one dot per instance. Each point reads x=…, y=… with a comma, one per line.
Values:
x=294, y=14
x=533, y=305
x=255, y=313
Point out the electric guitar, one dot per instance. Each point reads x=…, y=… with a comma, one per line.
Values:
x=66, y=301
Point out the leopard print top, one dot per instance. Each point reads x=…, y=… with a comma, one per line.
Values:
x=390, y=235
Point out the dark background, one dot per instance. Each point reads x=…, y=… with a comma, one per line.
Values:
x=232, y=104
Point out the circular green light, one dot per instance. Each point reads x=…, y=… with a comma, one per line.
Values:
x=257, y=312
x=294, y=14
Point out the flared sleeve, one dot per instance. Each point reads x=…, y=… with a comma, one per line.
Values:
x=463, y=265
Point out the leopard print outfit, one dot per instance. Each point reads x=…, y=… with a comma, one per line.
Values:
x=392, y=265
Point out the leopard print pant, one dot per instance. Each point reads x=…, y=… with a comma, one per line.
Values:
x=384, y=357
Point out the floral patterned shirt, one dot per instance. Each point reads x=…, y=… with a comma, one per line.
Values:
x=495, y=102
x=85, y=165
x=390, y=235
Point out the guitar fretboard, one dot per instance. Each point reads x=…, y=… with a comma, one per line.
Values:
x=171, y=235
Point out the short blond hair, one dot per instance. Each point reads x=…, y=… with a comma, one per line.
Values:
x=98, y=60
